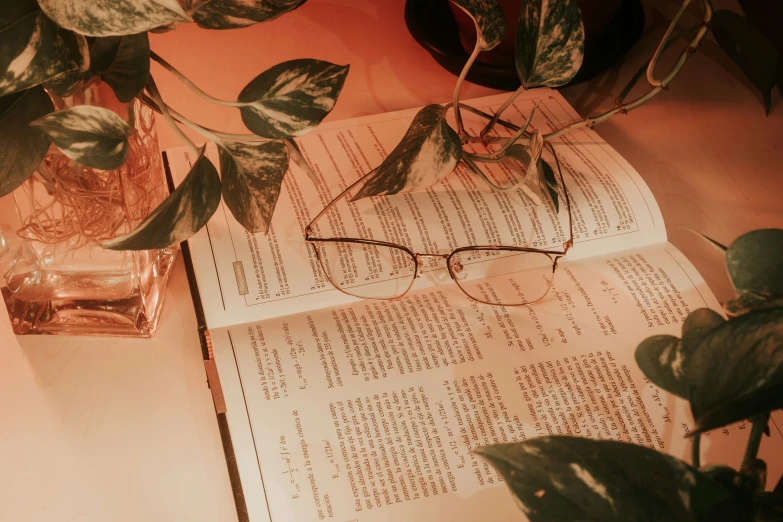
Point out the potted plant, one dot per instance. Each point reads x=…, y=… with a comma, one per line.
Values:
x=596, y=17
x=89, y=236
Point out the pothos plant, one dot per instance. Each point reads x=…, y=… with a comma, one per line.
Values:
x=52, y=46
x=55, y=46
x=549, y=48
x=729, y=371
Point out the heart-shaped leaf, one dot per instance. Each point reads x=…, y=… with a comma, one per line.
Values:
x=113, y=17
x=664, y=358
x=661, y=358
x=23, y=147
x=230, y=14
x=33, y=49
x=749, y=49
x=697, y=326
x=93, y=136
x=755, y=262
x=573, y=478
x=291, y=98
x=490, y=20
x=123, y=62
x=429, y=151
x=252, y=176
x=550, y=42
x=737, y=370
x=180, y=215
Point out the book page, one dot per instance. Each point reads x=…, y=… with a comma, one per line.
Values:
x=369, y=411
x=244, y=277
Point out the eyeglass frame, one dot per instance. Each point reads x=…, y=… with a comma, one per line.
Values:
x=417, y=255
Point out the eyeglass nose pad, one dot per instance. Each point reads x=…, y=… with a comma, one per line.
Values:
x=419, y=267
x=460, y=274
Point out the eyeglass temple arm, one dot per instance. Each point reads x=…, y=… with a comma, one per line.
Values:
x=568, y=244
x=309, y=227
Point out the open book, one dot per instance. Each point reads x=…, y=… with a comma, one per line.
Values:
x=337, y=408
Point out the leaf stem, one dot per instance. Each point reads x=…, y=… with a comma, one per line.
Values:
x=518, y=134
x=483, y=114
x=657, y=85
x=475, y=168
x=205, y=131
x=502, y=108
x=153, y=90
x=460, y=80
x=192, y=86
x=696, y=451
x=688, y=33
x=478, y=158
x=754, y=441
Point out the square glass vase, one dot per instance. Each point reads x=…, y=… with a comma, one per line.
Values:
x=55, y=277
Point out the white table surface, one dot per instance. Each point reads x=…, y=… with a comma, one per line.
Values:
x=96, y=429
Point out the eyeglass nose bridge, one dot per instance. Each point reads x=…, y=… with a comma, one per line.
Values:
x=420, y=261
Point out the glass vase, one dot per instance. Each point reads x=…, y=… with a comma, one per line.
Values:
x=55, y=277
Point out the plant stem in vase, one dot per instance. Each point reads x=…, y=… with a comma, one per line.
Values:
x=56, y=277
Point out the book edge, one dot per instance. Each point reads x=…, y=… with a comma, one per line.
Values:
x=210, y=368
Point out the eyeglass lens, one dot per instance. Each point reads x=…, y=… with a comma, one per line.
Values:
x=486, y=275
x=367, y=270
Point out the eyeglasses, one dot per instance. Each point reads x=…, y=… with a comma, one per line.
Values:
x=372, y=269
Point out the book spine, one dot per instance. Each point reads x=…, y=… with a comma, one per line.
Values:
x=213, y=380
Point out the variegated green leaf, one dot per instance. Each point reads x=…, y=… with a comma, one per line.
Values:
x=252, y=176
x=755, y=262
x=737, y=370
x=550, y=42
x=93, y=136
x=33, y=49
x=664, y=358
x=429, y=151
x=113, y=17
x=180, y=215
x=291, y=98
x=22, y=147
x=230, y=14
x=123, y=62
x=557, y=478
x=490, y=20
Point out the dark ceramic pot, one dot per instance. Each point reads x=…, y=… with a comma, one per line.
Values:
x=596, y=17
